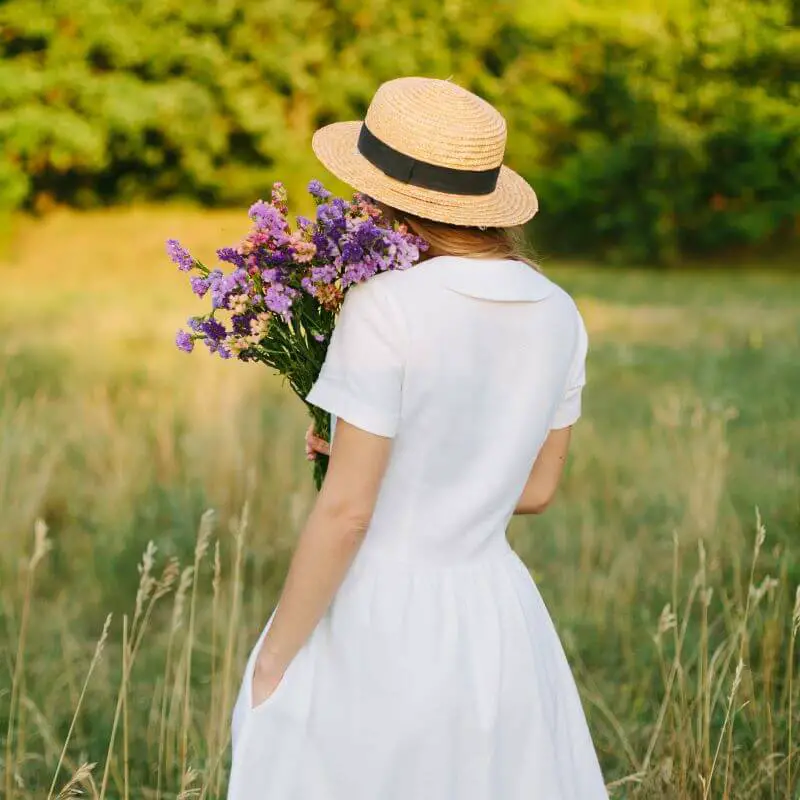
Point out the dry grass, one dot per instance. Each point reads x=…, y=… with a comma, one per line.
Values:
x=676, y=603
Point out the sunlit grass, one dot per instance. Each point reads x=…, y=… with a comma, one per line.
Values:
x=115, y=440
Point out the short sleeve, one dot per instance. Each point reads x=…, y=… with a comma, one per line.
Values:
x=361, y=379
x=569, y=409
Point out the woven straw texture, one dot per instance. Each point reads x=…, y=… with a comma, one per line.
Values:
x=440, y=123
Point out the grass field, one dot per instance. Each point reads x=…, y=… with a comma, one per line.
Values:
x=114, y=440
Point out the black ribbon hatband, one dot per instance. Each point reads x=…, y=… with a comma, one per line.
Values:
x=404, y=168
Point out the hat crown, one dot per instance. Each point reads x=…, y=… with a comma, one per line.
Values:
x=439, y=123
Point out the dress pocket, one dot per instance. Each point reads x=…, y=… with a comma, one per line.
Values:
x=278, y=690
x=289, y=701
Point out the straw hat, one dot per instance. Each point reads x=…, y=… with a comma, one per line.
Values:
x=432, y=149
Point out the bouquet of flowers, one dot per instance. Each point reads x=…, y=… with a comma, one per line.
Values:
x=278, y=300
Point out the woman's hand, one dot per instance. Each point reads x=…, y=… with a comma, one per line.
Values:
x=266, y=677
x=314, y=444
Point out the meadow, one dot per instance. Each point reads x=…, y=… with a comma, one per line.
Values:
x=149, y=501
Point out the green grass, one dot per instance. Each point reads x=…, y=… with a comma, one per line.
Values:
x=115, y=440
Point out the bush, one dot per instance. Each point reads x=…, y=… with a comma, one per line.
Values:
x=649, y=134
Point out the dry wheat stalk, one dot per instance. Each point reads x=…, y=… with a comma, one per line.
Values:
x=72, y=788
x=98, y=652
x=240, y=533
x=792, y=640
x=41, y=546
x=177, y=619
x=201, y=547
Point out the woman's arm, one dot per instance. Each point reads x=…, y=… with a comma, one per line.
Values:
x=546, y=473
x=328, y=543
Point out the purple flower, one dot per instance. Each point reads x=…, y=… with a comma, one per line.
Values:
x=217, y=347
x=324, y=274
x=267, y=218
x=351, y=251
x=222, y=286
x=308, y=286
x=320, y=337
x=303, y=222
x=366, y=234
x=179, y=255
x=199, y=286
x=277, y=257
x=331, y=216
x=241, y=323
x=214, y=330
x=278, y=299
x=360, y=271
x=402, y=250
x=219, y=297
x=323, y=244
x=184, y=341
x=318, y=191
x=231, y=256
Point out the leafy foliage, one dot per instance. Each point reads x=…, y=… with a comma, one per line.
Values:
x=667, y=128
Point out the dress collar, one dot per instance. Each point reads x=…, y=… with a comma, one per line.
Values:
x=489, y=279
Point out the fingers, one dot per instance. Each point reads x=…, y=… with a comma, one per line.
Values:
x=320, y=446
x=314, y=444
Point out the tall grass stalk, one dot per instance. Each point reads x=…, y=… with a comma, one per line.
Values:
x=666, y=622
x=703, y=685
x=669, y=621
x=790, y=692
x=240, y=533
x=201, y=546
x=126, y=671
x=98, y=652
x=157, y=590
x=726, y=725
x=761, y=535
x=41, y=546
x=680, y=712
x=211, y=728
x=177, y=619
x=123, y=688
x=146, y=593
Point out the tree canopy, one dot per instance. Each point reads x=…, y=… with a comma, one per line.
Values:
x=651, y=130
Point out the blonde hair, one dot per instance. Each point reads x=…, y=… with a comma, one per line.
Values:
x=458, y=240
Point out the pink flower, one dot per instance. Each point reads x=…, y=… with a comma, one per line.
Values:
x=304, y=251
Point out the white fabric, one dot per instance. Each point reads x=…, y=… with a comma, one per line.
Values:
x=436, y=674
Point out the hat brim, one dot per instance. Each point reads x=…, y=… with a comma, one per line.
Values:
x=513, y=202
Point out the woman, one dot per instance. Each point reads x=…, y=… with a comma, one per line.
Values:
x=410, y=656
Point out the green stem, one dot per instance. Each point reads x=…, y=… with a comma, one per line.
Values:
x=295, y=355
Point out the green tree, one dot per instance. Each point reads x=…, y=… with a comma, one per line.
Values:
x=666, y=128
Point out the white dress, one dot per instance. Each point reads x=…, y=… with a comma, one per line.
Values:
x=436, y=673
